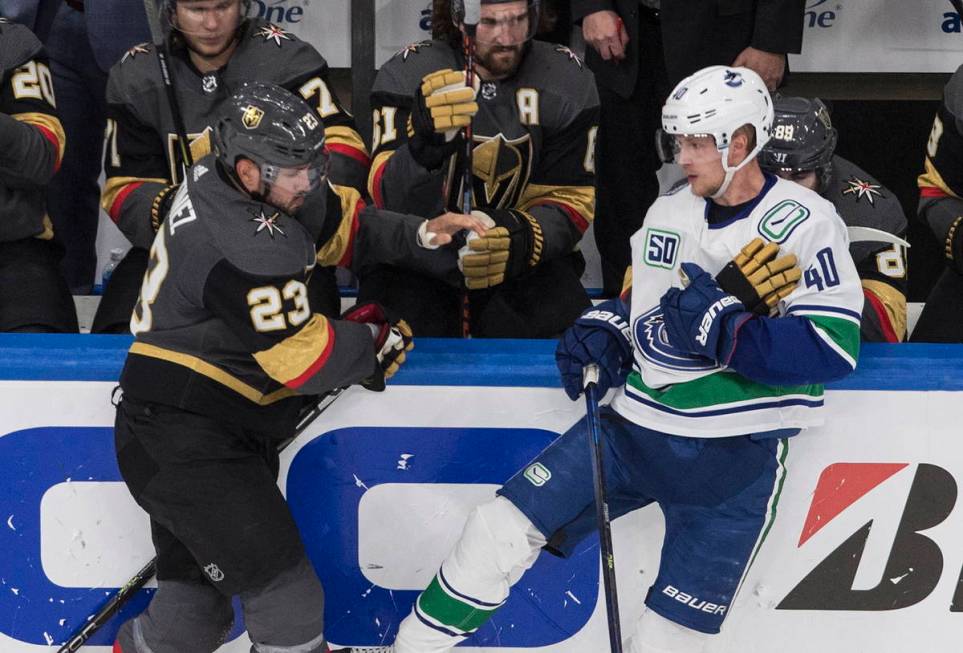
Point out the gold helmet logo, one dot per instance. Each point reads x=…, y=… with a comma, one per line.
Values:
x=251, y=117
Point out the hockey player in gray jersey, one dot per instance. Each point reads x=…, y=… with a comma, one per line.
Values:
x=33, y=293
x=941, y=209
x=533, y=137
x=214, y=50
x=227, y=346
x=802, y=150
x=742, y=301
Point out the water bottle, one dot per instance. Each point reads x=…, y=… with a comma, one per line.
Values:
x=116, y=255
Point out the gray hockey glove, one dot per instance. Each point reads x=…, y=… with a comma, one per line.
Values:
x=392, y=340
x=442, y=105
x=511, y=248
x=759, y=279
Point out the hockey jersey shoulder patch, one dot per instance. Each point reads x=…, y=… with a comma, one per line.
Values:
x=134, y=52
x=780, y=221
x=569, y=55
x=410, y=49
x=271, y=33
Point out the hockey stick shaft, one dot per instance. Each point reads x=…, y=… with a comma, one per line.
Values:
x=96, y=621
x=472, y=14
x=590, y=376
x=163, y=52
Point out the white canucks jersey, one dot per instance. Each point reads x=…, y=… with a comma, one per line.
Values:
x=685, y=394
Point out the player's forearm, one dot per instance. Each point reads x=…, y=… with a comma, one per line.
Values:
x=401, y=184
x=131, y=205
x=28, y=157
x=391, y=238
x=940, y=213
x=560, y=235
x=792, y=350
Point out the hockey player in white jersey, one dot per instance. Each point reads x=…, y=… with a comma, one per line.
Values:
x=742, y=301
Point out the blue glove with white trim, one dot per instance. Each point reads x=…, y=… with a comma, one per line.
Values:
x=602, y=336
x=702, y=319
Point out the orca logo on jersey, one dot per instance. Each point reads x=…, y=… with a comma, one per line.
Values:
x=652, y=343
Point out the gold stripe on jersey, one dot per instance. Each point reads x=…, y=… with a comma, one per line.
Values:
x=204, y=368
x=893, y=301
x=114, y=186
x=344, y=136
x=932, y=178
x=332, y=251
x=50, y=123
x=296, y=354
x=48, y=229
x=580, y=199
x=375, y=173
x=201, y=146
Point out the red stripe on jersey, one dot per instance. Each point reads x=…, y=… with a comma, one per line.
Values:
x=932, y=191
x=349, y=151
x=349, y=250
x=376, y=194
x=580, y=223
x=885, y=325
x=319, y=362
x=119, y=200
x=52, y=137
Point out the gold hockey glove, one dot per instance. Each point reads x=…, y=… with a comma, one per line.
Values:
x=442, y=105
x=506, y=251
x=759, y=279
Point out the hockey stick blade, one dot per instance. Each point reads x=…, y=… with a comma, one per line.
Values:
x=97, y=620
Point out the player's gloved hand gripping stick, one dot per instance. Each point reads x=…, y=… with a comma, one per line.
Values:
x=590, y=381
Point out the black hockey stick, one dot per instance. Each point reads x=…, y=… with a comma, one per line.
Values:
x=471, y=14
x=590, y=376
x=131, y=587
x=163, y=53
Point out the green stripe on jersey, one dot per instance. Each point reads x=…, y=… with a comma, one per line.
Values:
x=844, y=333
x=441, y=606
x=719, y=388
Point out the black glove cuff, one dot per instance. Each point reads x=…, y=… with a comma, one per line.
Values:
x=527, y=239
x=161, y=206
x=953, y=246
x=733, y=281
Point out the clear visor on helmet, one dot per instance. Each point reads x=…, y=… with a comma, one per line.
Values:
x=296, y=180
x=507, y=23
x=670, y=147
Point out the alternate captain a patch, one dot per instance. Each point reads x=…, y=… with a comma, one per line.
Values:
x=661, y=248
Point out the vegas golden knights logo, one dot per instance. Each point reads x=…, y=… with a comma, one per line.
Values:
x=501, y=168
x=251, y=117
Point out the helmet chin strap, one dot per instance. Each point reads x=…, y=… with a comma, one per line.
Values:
x=732, y=170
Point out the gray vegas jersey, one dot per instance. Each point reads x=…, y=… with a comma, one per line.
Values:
x=223, y=325
x=143, y=156
x=862, y=201
x=534, y=141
